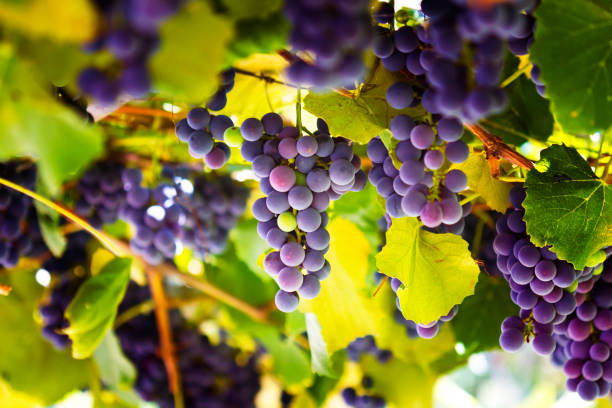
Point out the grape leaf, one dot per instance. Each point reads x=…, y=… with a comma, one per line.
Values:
x=568, y=207
x=320, y=359
x=92, y=311
x=572, y=49
x=436, y=269
x=116, y=371
x=494, y=192
x=61, y=142
x=477, y=325
x=246, y=231
x=187, y=42
x=75, y=21
x=258, y=36
x=363, y=117
x=251, y=8
x=30, y=364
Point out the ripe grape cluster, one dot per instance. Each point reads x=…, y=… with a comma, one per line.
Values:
x=219, y=99
x=299, y=176
x=19, y=230
x=131, y=36
x=100, y=193
x=455, y=32
x=355, y=350
x=335, y=34
x=203, y=133
x=66, y=280
x=210, y=373
x=422, y=186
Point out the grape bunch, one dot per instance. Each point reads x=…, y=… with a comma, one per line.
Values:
x=155, y=216
x=131, y=36
x=422, y=186
x=335, y=34
x=480, y=233
x=219, y=99
x=210, y=373
x=541, y=285
x=100, y=194
x=355, y=350
x=211, y=211
x=299, y=176
x=19, y=230
x=455, y=32
x=67, y=278
x=204, y=134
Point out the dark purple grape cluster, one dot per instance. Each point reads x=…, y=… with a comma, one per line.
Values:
x=480, y=232
x=131, y=36
x=355, y=350
x=67, y=277
x=335, y=35
x=19, y=230
x=155, y=216
x=541, y=285
x=100, y=194
x=204, y=133
x=219, y=99
x=456, y=31
x=299, y=176
x=422, y=186
x=211, y=211
x=210, y=373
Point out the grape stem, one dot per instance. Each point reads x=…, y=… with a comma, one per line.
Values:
x=167, y=349
x=516, y=74
x=298, y=111
x=263, y=77
x=495, y=148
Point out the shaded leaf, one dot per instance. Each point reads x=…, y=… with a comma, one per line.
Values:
x=92, y=311
x=567, y=204
x=115, y=369
x=320, y=360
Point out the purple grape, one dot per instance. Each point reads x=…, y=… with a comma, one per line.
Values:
x=285, y=301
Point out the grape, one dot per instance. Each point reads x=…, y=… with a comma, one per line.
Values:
x=511, y=340
x=282, y=178
x=198, y=118
x=272, y=263
x=341, y=172
x=431, y=214
x=457, y=152
x=260, y=210
x=400, y=95
x=287, y=222
x=421, y=136
x=290, y=279
x=252, y=129
x=300, y=197
x=308, y=220
x=450, y=129
x=287, y=148
x=310, y=287
x=307, y=146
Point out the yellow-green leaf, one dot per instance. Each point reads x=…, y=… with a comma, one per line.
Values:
x=495, y=192
x=195, y=41
x=93, y=309
x=437, y=270
x=71, y=21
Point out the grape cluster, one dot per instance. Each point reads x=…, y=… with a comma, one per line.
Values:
x=480, y=232
x=19, y=230
x=335, y=34
x=67, y=278
x=212, y=210
x=299, y=176
x=100, y=194
x=204, y=134
x=453, y=28
x=210, y=374
x=131, y=36
x=355, y=350
x=219, y=99
x=423, y=186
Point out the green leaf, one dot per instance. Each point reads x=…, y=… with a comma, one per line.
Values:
x=116, y=371
x=528, y=115
x=568, y=207
x=195, y=41
x=573, y=50
x=93, y=309
x=258, y=36
x=251, y=8
x=27, y=108
x=494, y=192
x=30, y=364
x=320, y=360
x=360, y=118
x=48, y=220
x=477, y=325
x=436, y=269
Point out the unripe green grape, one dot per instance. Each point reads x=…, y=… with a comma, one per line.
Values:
x=232, y=136
x=287, y=221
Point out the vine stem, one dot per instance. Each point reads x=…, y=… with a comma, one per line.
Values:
x=515, y=75
x=119, y=248
x=298, y=111
x=469, y=198
x=495, y=148
x=140, y=111
x=165, y=336
x=263, y=77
